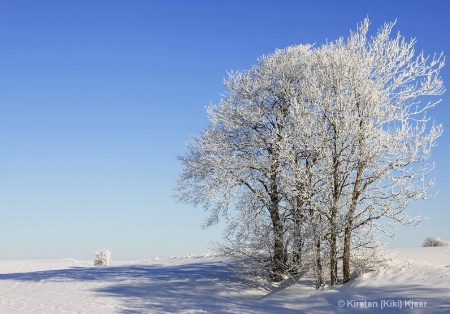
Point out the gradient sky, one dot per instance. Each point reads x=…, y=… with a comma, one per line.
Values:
x=97, y=98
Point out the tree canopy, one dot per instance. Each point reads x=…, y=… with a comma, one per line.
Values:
x=314, y=147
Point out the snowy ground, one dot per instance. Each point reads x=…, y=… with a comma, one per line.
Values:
x=417, y=281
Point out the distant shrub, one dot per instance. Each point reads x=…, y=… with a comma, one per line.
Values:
x=102, y=258
x=435, y=241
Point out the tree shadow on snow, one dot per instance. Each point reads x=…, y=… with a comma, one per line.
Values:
x=210, y=287
x=196, y=288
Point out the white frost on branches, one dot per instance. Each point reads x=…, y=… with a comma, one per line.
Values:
x=102, y=258
x=435, y=241
x=314, y=146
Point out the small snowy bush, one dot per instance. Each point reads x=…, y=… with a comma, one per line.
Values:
x=365, y=260
x=102, y=258
x=435, y=241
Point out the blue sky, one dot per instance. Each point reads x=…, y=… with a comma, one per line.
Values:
x=97, y=98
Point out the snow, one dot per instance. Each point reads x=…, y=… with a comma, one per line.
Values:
x=413, y=281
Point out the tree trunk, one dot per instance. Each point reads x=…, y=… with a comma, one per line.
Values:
x=346, y=260
x=333, y=259
x=279, y=252
x=334, y=213
x=298, y=240
x=349, y=223
x=297, y=254
x=319, y=268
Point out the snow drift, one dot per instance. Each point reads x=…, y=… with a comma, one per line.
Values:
x=414, y=280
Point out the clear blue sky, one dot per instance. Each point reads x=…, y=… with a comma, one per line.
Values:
x=98, y=97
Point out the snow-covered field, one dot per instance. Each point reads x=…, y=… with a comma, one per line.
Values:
x=416, y=281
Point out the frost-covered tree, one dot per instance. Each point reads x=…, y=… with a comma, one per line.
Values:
x=314, y=144
x=379, y=126
x=435, y=241
x=102, y=258
x=370, y=139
